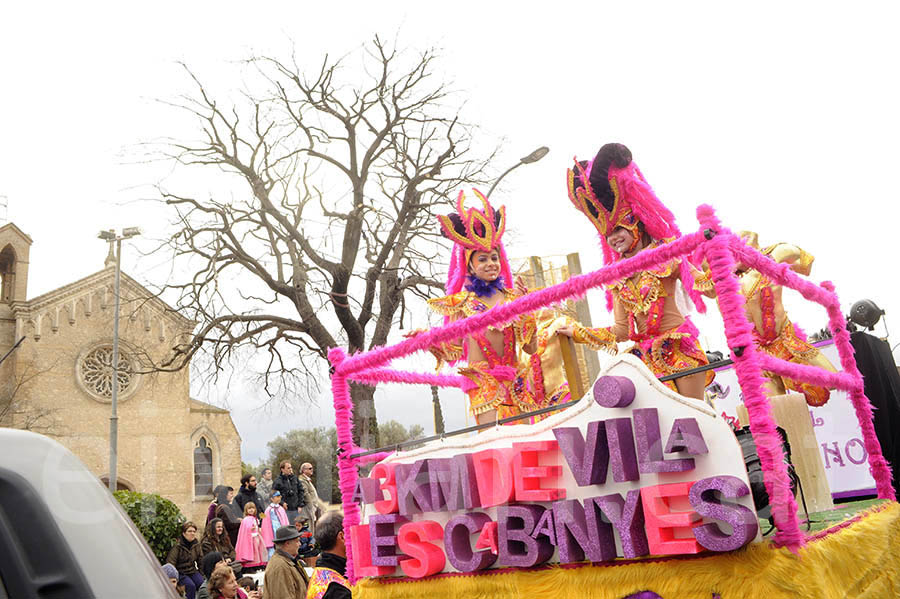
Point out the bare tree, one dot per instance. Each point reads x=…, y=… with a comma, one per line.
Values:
x=16, y=411
x=332, y=228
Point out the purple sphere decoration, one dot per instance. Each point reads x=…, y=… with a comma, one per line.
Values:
x=458, y=542
x=649, y=445
x=627, y=515
x=516, y=546
x=704, y=500
x=588, y=459
x=613, y=391
x=578, y=535
x=383, y=539
x=622, y=457
x=686, y=436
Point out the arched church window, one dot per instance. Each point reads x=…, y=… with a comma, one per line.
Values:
x=203, y=468
x=7, y=274
x=120, y=484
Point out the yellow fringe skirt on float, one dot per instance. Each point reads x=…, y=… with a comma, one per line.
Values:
x=857, y=558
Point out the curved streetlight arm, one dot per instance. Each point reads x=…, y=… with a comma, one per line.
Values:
x=533, y=157
x=506, y=172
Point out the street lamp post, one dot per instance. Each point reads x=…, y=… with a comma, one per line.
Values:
x=110, y=237
x=533, y=157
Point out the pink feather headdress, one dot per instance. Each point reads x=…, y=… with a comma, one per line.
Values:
x=633, y=201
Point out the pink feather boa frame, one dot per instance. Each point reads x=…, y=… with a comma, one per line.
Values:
x=722, y=249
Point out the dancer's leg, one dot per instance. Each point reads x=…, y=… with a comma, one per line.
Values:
x=692, y=386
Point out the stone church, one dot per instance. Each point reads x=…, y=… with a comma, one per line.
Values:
x=58, y=382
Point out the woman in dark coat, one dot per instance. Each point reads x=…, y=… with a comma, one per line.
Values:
x=185, y=555
x=214, y=504
x=216, y=539
x=229, y=513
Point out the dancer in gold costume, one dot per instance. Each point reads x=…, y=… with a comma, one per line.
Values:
x=773, y=331
x=480, y=279
x=612, y=192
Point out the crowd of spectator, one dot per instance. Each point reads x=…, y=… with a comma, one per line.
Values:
x=269, y=523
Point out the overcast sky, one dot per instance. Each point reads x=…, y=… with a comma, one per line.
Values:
x=783, y=115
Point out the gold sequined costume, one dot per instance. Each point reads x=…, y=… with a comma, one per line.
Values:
x=645, y=313
x=775, y=334
x=494, y=378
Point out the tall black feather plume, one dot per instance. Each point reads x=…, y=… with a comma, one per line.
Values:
x=610, y=154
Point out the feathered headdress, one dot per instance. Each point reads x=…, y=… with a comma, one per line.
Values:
x=612, y=192
x=473, y=230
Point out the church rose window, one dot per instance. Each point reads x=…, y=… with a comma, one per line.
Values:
x=95, y=371
x=203, y=472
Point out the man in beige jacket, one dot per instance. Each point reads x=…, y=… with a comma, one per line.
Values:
x=314, y=507
x=284, y=579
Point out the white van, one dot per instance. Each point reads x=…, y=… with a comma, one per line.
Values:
x=62, y=534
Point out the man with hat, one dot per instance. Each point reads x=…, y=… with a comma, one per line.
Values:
x=283, y=578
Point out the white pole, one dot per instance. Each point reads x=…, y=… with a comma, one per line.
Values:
x=114, y=417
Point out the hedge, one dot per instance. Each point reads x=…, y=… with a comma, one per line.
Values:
x=158, y=519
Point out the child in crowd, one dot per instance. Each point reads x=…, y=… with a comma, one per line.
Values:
x=274, y=518
x=250, y=548
x=247, y=584
x=172, y=573
x=308, y=546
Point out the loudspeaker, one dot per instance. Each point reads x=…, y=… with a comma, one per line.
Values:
x=755, y=473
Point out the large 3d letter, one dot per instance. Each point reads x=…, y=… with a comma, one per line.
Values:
x=588, y=458
x=661, y=522
x=627, y=516
x=413, y=494
x=458, y=484
x=367, y=490
x=493, y=471
x=458, y=542
x=438, y=476
x=581, y=531
x=424, y=558
x=620, y=439
x=546, y=527
x=686, y=436
x=383, y=539
x=528, y=474
x=649, y=445
x=742, y=519
x=385, y=471
x=362, y=553
x=516, y=546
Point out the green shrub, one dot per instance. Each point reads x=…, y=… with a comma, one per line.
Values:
x=156, y=517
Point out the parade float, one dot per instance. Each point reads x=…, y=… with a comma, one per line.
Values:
x=630, y=491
